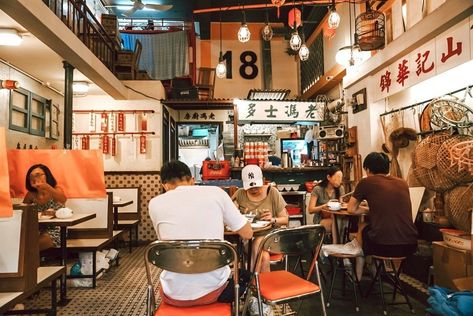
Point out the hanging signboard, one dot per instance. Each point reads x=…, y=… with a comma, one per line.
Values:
x=280, y=111
x=446, y=51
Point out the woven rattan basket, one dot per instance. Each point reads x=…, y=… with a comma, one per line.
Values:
x=453, y=172
x=425, y=163
x=459, y=204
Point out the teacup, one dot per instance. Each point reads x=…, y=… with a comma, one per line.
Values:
x=334, y=205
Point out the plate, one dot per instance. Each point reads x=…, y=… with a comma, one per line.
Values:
x=264, y=223
x=45, y=216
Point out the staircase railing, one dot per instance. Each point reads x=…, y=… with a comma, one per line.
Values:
x=81, y=21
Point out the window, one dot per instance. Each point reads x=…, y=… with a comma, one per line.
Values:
x=27, y=112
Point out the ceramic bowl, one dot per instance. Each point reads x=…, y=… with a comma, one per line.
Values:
x=334, y=205
x=456, y=238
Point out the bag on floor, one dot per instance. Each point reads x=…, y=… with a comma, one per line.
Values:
x=444, y=301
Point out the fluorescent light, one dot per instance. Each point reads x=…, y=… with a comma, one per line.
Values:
x=80, y=88
x=10, y=37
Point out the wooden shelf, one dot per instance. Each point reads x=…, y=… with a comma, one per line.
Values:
x=257, y=135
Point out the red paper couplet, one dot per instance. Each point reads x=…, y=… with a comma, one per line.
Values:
x=114, y=146
x=144, y=122
x=104, y=122
x=142, y=144
x=121, y=121
x=105, y=144
x=85, y=142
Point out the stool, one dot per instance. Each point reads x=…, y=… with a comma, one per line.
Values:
x=349, y=272
x=392, y=276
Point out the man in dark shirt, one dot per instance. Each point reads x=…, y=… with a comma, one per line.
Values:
x=391, y=231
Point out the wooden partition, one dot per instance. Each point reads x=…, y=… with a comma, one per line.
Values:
x=19, y=251
x=99, y=227
x=131, y=211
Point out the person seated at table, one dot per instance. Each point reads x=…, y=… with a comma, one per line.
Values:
x=263, y=200
x=47, y=197
x=329, y=189
x=391, y=231
x=188, y=212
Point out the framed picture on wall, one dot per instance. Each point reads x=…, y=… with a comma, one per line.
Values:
x=359, y=101
x=54, y=121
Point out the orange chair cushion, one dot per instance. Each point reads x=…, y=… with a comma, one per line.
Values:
x=201, y=310
x=279, y=285
x=276, y=257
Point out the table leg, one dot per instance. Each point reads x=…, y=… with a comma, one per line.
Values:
x=115, y=217
x=63, y=294
x=53, y=297
x=336, y=233
x=250, y=250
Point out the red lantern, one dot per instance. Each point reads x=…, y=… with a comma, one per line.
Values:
x=121, y=122
x=104, y=122
x=294, y=14
x=9, y=84
x=142, y=144
x=278, y=4
x=114, y=146
x=105, y=144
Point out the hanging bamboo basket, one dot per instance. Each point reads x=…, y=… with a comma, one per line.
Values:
x=425, y=163
x=459, y=206
x=452, y=170
x=370, y=29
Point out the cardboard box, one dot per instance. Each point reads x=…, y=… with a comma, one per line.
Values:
x=450, y=263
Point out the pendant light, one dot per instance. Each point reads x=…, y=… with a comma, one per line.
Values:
x=221, y=69
x=295, y=42
x=267, y=31
x=244, y=32
x=334, y=18
x=303, y=50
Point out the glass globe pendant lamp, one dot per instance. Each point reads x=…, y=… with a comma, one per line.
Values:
x=295, y=42
x=244, y=33
x=221, y=69
x=267, y=32
x=334, y=18
x=304, y=52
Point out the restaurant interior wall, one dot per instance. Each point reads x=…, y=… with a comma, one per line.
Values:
x=15, y=137
x=128, y=156
x=372, y=133
x=284, y=67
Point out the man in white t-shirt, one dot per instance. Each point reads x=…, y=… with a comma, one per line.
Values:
x=186, y=212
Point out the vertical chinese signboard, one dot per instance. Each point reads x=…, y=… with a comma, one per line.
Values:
x=446, y=51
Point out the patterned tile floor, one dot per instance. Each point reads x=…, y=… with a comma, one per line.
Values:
x=120, y=291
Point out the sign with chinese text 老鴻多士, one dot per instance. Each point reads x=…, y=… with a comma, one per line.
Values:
x=448, y=50
x=279, y=111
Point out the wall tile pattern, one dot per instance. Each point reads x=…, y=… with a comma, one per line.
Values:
x=150, y=184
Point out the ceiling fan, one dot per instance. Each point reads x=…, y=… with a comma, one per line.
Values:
x=139, y=5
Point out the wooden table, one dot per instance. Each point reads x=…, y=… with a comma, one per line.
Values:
x=46, y=276
x=116, y=206
x=63, y=223
x=340, y=214
x=257, y=231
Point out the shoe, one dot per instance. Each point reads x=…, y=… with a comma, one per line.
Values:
x=353, y=248
x=254, y=309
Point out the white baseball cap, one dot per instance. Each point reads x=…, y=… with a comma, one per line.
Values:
x=252, y=177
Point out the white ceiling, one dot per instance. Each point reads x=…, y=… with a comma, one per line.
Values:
x=37, y=59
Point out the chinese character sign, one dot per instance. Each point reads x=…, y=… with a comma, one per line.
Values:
x=280, y=111
x=446, y=51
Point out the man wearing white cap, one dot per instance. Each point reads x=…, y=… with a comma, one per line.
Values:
x=264, y=201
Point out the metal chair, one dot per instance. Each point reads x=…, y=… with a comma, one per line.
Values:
x=189, y=257
x=280, y=287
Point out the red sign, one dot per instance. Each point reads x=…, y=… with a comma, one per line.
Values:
x=85, y=142
x=144, y=122
x=114, y=146
x=121, y=122
x=105, y=144
x=142, y=144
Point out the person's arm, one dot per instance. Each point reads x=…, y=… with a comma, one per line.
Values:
x=312, y=205
x=57, y=192
x=246, y=232
x=354, y=207
x=282, y=218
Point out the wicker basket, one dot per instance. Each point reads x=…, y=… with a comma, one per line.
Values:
x=444, y=163
x=459, y=204
x=425, y=163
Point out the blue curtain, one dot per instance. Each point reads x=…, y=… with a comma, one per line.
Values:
x=164, y=56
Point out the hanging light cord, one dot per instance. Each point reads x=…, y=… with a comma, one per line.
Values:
x=351, y=34
x=220, y=17
x=302, y=24
x=294, y=8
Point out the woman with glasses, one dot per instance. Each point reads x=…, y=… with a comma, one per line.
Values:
x=47, y=197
